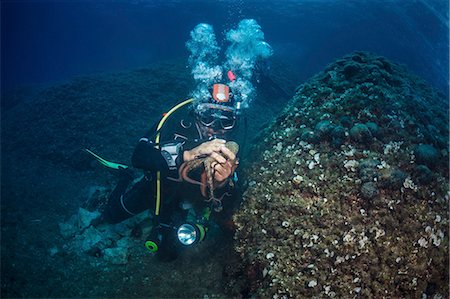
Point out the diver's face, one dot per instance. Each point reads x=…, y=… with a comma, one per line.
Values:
x=211, y=132
x=216, y=122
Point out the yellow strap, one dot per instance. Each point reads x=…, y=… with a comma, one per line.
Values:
x=158, y=136
x=158, y=192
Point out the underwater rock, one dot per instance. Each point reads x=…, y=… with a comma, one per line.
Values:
x=368, y=163
x=121, y=229
x=351, y=70
x=124, y=242
x=142, y=228
x=323, y=129
x=96, y=198
x=369, y=190
x=116, y=256
x=361, y=134
x=309, y=136
x=368, y=170
x=89, y=239
x=358, y=57
x=426, y=154
x=346, y=121
x=360, y=211
x=422, y=174
x=110, y=241
x=95, y=252
x=54, y=251
x=85, y=218
x=69, y=229
x=392, y=178
x=109, y=232
x=337, y=136
x=373, y=128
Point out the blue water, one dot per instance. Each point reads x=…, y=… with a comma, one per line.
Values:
x=49, y=41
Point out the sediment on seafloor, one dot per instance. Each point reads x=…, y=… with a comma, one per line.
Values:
x=348, y=193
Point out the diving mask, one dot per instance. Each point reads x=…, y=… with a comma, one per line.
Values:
x=216, y=116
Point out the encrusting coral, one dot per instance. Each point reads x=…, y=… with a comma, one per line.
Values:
x=349, y=213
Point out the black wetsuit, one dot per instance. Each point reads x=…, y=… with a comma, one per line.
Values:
x=179, y=128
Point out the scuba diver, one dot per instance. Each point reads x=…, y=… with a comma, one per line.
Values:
x=189, y=172
x=189, y=157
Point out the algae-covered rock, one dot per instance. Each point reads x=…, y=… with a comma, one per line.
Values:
x=426, y=154
x=361, y=133
x=309, y=136
x=338, y=136
x=368, y=170
x=354, y=215
x=369, y=190
x=373, y=128
x=346, y=121
x=423, y=174
x=323, y=129
x=392, y=178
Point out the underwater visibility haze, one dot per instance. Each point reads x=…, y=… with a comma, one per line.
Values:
x=339, y=111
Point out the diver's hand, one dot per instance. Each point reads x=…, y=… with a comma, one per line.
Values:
x=224, y=170
x=210, y=148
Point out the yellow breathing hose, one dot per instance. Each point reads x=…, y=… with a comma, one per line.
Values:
x=158, y=136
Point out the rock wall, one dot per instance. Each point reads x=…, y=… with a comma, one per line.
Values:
x=348, y=194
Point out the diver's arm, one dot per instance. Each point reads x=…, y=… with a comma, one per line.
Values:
x=147, y=157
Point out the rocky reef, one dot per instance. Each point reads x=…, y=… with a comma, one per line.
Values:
x=348, y=193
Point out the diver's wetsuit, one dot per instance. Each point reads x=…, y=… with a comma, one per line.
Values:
x=180, y=127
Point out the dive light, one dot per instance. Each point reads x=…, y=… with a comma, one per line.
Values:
x=189, y=234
